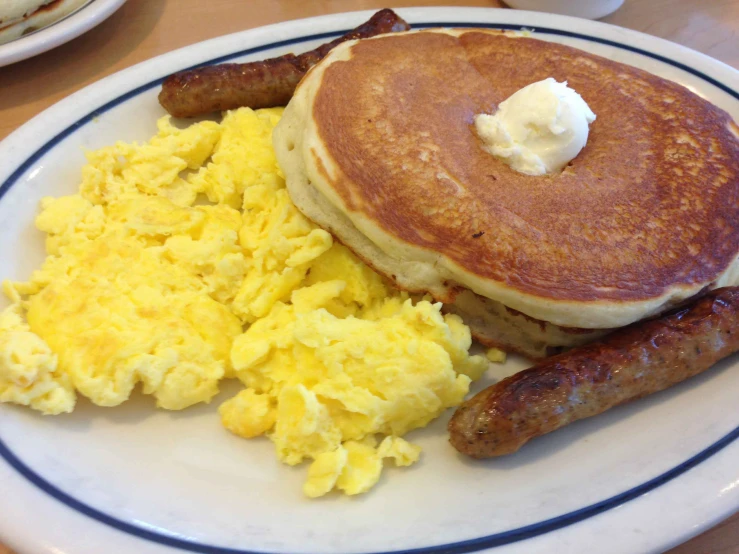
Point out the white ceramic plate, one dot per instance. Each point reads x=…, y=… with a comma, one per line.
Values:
x=80, y=21
x=640, y=478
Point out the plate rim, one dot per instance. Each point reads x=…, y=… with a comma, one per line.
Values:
x=463, y=546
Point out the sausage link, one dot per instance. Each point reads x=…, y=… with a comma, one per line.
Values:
x=638, y=360
x=262, y=84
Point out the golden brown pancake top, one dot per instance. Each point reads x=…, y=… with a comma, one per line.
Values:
x=651, y=202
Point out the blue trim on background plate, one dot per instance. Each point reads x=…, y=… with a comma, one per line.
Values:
x=462, y=547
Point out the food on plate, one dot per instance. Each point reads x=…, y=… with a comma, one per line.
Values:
x=29, y=372
x=146, y=283
x=21, y=17
x=631, y=363
x=137, y=279
x=264, y=84
x=496, y=355
x=347, y=359
x=482, y=169
x=379, y=148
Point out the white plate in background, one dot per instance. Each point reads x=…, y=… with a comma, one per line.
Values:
x=80, y=21
x=640, y=478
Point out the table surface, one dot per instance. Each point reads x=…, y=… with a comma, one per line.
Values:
x=142, y=29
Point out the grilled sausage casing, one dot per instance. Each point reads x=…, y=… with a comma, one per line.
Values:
x=641, y=359
x=257, y=85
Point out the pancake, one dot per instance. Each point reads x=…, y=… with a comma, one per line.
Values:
x=378, y=147
x=22, y=17
x=13, y=11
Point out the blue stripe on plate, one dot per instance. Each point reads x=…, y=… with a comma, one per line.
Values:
x=463, y=547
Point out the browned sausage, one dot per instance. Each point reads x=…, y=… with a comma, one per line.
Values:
x=641, y=359
x=258, y=84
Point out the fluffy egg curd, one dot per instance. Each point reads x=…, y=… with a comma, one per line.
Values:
x=182, y=261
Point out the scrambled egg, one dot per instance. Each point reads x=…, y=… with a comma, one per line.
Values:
x=28, y=368
x=496, y=355
x=147, y=283
x=321, y=385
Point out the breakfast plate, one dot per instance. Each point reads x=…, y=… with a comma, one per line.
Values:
x=91, y=14
x=640, y=478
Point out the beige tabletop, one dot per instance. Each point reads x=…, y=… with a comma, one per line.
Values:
x=142, y=29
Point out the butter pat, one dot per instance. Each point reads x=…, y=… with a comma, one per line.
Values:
x=539, y=129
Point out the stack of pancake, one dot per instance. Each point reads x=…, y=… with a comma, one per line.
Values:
x=378, y=147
